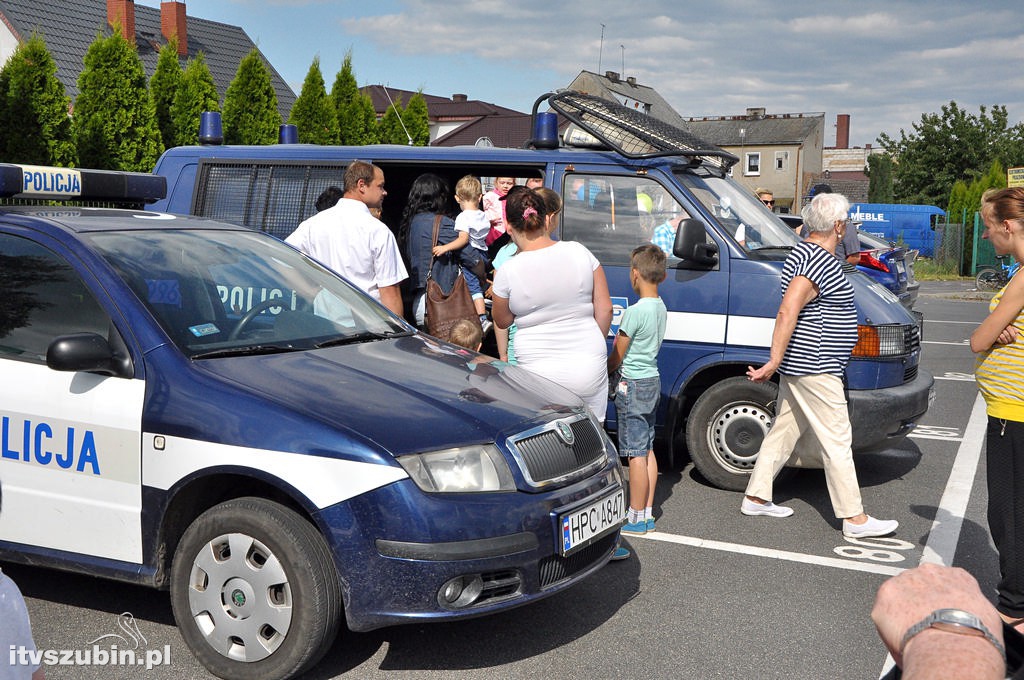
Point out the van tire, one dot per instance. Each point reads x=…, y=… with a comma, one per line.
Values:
x=216, y=594
x=726, y=427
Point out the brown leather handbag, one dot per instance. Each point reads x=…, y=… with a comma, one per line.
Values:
x=443, y=310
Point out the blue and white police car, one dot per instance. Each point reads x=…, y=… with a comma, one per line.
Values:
x=198, y=407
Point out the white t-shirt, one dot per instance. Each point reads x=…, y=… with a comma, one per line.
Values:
x=476, y=223
x=551, y=293
x=15, y=631
x=353, y=243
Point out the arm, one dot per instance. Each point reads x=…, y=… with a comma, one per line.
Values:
x=997, y=327
x=460, y=242
x=391, y=297
x=800, y=292
x=500, y=312
x=602, y=301
x=909, y=597
x=618, y=353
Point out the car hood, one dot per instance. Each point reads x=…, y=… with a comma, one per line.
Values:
x=404, y=394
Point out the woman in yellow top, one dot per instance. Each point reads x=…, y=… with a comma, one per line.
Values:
x=999, y=342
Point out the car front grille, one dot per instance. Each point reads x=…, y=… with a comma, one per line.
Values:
x=560, y=450
x=557, y=568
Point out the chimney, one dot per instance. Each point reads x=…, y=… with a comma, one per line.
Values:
x=122, y=13
x=612, y=76
x=174, y=24
x=843, y=131
x=460, y=98
x=631, y=80
x=755, y=112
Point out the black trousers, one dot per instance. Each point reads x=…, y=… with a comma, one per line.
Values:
x=1004, y=455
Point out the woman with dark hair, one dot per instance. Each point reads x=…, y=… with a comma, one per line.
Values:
x=557, y=295
x=429, y=197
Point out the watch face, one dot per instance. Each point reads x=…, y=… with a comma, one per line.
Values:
x=958, y=621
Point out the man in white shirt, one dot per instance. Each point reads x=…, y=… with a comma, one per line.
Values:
x=352, y=242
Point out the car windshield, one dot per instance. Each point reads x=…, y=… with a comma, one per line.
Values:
x=741, y=214
x=222, y=293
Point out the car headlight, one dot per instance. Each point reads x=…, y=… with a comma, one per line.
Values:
x=463, y=469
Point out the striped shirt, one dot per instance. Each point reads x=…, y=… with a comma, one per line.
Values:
x=826, y=329
x=1000, y=373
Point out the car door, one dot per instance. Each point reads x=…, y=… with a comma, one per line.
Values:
x=69, y=441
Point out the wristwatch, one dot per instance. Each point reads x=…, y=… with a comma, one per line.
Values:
x=953, y=621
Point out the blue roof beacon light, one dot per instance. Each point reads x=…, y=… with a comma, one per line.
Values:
x=545, y=130
x=288, y=134
x=211, y=130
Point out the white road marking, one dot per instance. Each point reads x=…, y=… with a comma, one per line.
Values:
x=973, y=323
x=850, y=565
x=949, y=434
x=959, y=343
x=952, y=375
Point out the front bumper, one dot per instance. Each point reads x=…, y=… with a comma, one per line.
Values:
x=880, y=418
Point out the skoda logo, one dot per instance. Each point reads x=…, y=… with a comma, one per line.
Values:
x=238, y=598
x=565, y=433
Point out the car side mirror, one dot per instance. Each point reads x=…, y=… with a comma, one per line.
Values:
x=87, y=352
x=692, y=245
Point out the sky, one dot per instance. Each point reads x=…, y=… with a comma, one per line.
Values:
x=884, y=62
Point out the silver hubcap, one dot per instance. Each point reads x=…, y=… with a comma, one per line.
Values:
x=736, y=433
x=240, y=597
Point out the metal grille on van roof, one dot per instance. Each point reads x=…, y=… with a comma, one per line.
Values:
x=634, y=134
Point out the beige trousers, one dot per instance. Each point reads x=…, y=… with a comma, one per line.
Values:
x=811, y=406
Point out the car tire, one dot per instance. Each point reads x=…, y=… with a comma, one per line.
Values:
x=726, y=427
x=987, y=279
x=255, y=591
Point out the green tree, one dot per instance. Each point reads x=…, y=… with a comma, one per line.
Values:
x=34, y=123
x=370, y=126
x=313, y=113
x=114, y=121
x=954, y=145
x=345, y=97
x=250, y=104
x=417, y=119
x=162, y=87
x=196, y=93
x=880, y=178
x=391, y=130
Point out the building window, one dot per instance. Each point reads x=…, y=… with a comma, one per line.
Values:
x=753, y=166
x=782, y=161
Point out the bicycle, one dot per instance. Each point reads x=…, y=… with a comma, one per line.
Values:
x=994, y=278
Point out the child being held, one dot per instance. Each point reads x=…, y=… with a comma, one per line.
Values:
x=639, y=389
x=466, y=334
x=472, y=227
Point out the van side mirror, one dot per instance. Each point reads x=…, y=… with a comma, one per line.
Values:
x=87, y=352
x=692, y=245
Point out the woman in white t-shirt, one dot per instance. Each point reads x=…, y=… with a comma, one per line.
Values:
x=556, y=294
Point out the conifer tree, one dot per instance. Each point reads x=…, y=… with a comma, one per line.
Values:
x=114, y=121
x=417, y=119
x=250, y=104
x=313, y=113
x=196, y=93
x=370, y=127
x=345, y=97
x=34, y=123
x=163, y=86
x=391, y=130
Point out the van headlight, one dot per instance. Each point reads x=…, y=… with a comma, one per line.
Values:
x=462, y=469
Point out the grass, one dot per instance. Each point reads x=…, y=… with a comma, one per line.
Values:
x=930, y=270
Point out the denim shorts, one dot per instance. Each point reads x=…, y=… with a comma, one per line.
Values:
x=636, y=400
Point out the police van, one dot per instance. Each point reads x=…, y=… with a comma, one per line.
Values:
x=625, y=179
x=195, y=406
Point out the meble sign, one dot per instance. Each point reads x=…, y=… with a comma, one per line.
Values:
x=43, y=181
x=867, y=217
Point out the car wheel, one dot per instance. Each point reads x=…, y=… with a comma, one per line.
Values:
x=254, y=590
x=726, y=427
x=987, y=279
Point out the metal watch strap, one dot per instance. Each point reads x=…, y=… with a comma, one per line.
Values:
x=953, y=621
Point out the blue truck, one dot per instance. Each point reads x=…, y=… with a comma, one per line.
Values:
x=911, y=224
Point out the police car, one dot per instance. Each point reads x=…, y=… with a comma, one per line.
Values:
x=198, y=407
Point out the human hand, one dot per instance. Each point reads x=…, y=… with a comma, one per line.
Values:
x=763, y=374
x=1007, y=336
x=912, y=595
x=438, y=251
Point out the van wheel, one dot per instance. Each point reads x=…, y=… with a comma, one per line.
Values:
x=726, y=427
x=254, y=590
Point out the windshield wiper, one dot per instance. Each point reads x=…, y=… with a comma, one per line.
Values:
x=365, y=336
x=247, y=350
x=780, y=247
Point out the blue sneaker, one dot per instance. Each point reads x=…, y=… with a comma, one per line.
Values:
x=638, y=528
x=620, y=554
x=650, y=524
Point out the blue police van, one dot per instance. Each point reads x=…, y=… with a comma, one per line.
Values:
x=195, y=406
x=624, y=177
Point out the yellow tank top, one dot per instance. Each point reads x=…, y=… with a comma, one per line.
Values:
x=1000, y=373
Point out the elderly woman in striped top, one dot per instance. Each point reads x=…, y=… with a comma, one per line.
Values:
x=815, y=331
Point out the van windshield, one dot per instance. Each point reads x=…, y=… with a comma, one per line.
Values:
x=740, y=214
x=222, y=293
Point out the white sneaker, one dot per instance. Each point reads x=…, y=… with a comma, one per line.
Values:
x=870, y=528
x=486, y=325
x=769, y=509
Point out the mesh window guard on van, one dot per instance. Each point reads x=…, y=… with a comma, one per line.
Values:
x=269, y=197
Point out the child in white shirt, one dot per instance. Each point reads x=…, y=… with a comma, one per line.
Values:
x=472, y=226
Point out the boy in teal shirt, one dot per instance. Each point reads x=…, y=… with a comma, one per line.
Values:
x=639, y=389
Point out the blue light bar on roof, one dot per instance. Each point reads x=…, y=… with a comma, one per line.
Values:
x=37, y=181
